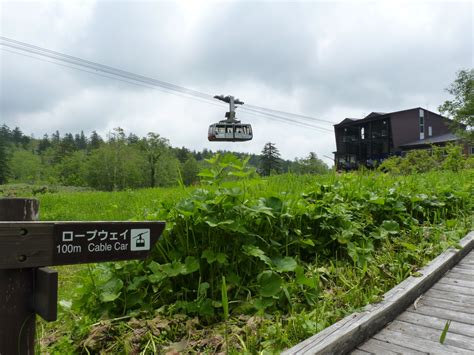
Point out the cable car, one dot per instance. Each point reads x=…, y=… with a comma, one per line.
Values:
x=230, y=130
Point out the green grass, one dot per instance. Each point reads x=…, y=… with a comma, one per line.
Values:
x=297, y=252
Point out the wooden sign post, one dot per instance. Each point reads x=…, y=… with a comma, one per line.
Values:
x=28, y=288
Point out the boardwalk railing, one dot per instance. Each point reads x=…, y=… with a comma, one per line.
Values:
x=345, y=335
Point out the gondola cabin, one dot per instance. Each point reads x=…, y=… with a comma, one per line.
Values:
x=230, y=132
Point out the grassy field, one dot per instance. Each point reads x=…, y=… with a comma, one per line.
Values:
x=251, y=265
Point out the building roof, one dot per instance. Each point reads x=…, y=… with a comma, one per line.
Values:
x=443, y=138
x=346, y=120
x=375, y=114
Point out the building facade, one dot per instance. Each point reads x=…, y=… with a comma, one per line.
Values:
x=368, y=141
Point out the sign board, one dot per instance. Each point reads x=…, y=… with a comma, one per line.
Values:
x=36, y=244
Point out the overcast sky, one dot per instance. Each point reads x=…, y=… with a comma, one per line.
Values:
x=328, y=60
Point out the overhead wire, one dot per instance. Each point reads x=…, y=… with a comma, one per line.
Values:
x=136, y=79
x=244, y=108
x=251, y=113
x=97, y=66
x=290, y=114
x=149, y=86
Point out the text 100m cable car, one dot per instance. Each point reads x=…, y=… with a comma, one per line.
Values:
x=230, y=130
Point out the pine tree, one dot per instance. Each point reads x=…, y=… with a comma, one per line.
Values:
x=80, y=141
x=270, y=159
x=44, y=144
x=95, y=140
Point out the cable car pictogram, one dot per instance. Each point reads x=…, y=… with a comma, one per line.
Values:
x=140, y=242
x=230, y=129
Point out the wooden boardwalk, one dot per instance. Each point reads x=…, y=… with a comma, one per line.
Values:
x=412, y=316
x=418, y=329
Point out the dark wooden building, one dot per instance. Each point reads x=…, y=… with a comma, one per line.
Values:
x=367, y=141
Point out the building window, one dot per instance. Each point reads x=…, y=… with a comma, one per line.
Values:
x=472, y=150
x=430, y=131
x=362, y=133
x=422, y=124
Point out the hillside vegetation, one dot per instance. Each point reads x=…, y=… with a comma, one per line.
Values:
x=248, y=264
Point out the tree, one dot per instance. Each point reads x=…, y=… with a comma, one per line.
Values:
x=167, y=168
x=80, y=141
x=270, y=159
x=26, y=167
x=154, y=146
x=44, y=144
x=95, y=140
x=115, y=168
x=72, y=170
x=461, y=108
x=189, y=171
x=4, y=168
x=311, y=165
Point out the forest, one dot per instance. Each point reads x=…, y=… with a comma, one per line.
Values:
x=120, y=160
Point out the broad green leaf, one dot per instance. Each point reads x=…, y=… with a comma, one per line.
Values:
x=155, y=267
x=263, y=303
x=136, y=282
x=274, y=203
x=191, y=264
x=253, y=250
x=391, y=227
x=109, y=296
x=270, y=283
x=221, y=258
x=302, y=279
x=111, y=290
x=409, y=246
x=209, y=255
x=285, y=264
x=377, y=200
x=174, y=269
x=307, y=242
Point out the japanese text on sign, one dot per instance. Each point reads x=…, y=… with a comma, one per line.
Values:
x=96, y=241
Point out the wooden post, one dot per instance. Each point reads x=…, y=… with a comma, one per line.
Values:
x=17, y=315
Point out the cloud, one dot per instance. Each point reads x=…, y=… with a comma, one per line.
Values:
x=329, y=60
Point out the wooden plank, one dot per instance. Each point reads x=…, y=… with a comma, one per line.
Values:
x=436, y=323
x=422, y=332
x=464, y=267
x=469, y=259
x=46, y=293
x=461, y=271
x=451, y=288
x=457, y=282
x=425, y=345
x=468, y=276
x=381, y=347
x=445, y=314
x=446, y=304
x=345, y=335
x=360, y=352
x=448, y=295
x=17, y=287
x=467, y=262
